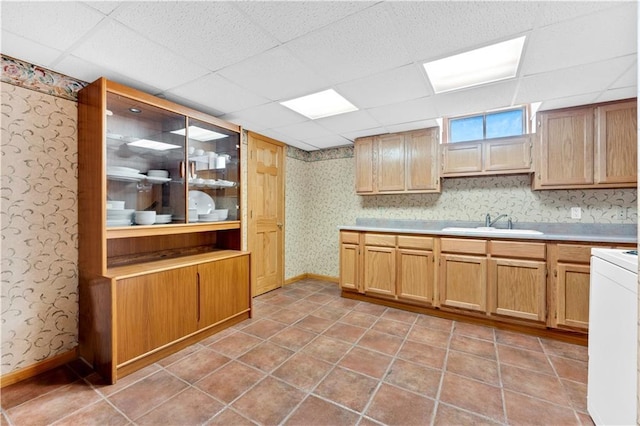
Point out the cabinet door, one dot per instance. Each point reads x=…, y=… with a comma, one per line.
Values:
x=617, y=143
x=508, y=155
x=391, y=163
x=462, y=158
x=463, y=282
x=380, y=270
x=518, y=288
x=153, y=310
x=416, y=275
x=566, y=148
x=349, y=255
x=422, y=160
x=364, y=165
x=223, y=290
x=573, y=296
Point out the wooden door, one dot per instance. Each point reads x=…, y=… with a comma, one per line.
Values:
x=508, y=154
x=266, y=213
x=463, y=282
x=363, y=153
x=391, y=163
x=416, y=276
x=518, y=288
x=617, y=143
x=461, y=158
x=573, y=296
x=222, y=290
x=349, y=270
x=153, y=310
x=380, y=270
x=422, y=160
x=566, y=147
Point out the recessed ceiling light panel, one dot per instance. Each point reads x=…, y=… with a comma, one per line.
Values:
x=480, y=66
x=200, y=134
x=155, y=145
x=321, y=104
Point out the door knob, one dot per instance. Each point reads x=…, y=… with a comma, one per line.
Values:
x=279, y=225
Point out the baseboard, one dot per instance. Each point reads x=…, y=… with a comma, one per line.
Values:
x=311, y=276
x=37, y=368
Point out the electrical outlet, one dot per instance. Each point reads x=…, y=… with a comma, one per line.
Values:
x=576, y=213
x=622, y=213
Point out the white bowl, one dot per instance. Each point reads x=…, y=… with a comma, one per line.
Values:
x=145, y=217
x=119, y=214
x=199, y=151
x=191, y=150
x=158, y=173
x=163, y=218
x=115, y=205
x=122, y=170
x=222, y=213
x=193, y=215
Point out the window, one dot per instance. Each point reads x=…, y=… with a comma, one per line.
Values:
x=488, y=125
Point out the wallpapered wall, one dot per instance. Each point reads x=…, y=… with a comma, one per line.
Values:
x=327, y=187
x=39, y=227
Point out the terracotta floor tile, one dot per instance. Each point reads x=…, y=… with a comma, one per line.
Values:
x=570, y=368
x=519, y=340
x=423, y=354
x=266, y=356
x=532, y=383
x=471, y=345
x=282, y=300
x=305, y=306
x=585, y=419
x=399, y=315
x=287, y=316
x=98, y=382
x=359, y=319
x=477, y=397
x=182, y=354
x=380, y=342
x=365, y=421
x=263, y=310
x=25, y=390
x=348, y=333
x=3, y=419
x=54, y=405
x=269, y=402
x=235, y=344
x=191, y=407
x=80, y=367
x=320, y=298
x=523, y=358
x=447, y=415
x=146, y=394
x=264, y=328
x=367, y=362
x=482, y=369
x=395, y=406
x=197, y=365
x=565, y=350
x=343, y=303
x=524, y=410
x=315, y=411
x=327, y=349
x=429, y=336
x=436, y=323
x=303, y=371
x=297, y=292
x=395, y=328
x=347, y=388
x=473, y=330
x=331, y=313
x=315, y=324
x=577, y=394
x=98, y=414
x=230, y=417
x=293, y=338
x=230, y=381
x=370, y=308
x=414, y=377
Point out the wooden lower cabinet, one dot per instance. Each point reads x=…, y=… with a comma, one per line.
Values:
x=415, y=275
x=517, y=288
x=380, y=270
x=463, y=281
x=350, y=261
x=572, y=291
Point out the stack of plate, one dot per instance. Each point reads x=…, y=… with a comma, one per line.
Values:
x=158, y=176
x=126, y=174
x=208, y=217
x=163, y=218
x=122, y=217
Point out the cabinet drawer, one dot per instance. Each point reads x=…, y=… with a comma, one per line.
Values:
x=349, y=237
x=574, y=253
x=383, y=240
x=420, y=243
x=459, y=245
x=517, y=249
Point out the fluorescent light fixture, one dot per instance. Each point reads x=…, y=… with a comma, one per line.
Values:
x=480, y=66
x=200, y=134
x=155, y=145
x=321, y=104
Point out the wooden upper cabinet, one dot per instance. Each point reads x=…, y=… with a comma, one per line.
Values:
x=462, y=158
x=587, y=147
x=398, y=163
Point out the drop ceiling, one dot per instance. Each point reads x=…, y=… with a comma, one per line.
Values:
x=239, y=60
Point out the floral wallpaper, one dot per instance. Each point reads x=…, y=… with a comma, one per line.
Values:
x=330, y=201
x=38, y=227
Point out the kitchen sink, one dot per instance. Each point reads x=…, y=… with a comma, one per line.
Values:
x=491, y=230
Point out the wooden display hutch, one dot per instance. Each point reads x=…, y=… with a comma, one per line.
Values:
x=148, y=290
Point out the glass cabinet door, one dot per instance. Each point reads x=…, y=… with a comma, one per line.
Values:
x=214, y=172
x=146, y=166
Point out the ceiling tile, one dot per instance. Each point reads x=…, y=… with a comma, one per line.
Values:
x=558, y=11
x=348, y=122
x=270, y=115
x=28, y=50
x=280, y=137
x=415, y=125
x=288, y=20
x=400, y=84
x=141, y=60
x=344, y=50
x=327, y=141
x=572, y=81
x=105, y=7
x=275, y=74
x=364, y=132
x=245, y=123
x=629, y=77
x=404, y=112
x=433, y=29
x=54, y=24
x=305, y=130
x=214, y=34
x=476, y=99
x=591, y=38
x=619, y=93
x=568, y=101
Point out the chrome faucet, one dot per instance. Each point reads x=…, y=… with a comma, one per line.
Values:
x=489, y=223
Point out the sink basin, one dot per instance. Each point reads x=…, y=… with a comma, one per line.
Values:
x=488, y=230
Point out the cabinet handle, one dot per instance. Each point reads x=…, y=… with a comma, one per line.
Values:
x=198, y=296
x=182, y=169
x=193, y=169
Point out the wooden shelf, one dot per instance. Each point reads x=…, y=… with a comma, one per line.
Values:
x=154, y=230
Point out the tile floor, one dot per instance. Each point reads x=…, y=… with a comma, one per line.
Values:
x=311, y=357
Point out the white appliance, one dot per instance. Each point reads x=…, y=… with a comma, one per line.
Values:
x=613, y=337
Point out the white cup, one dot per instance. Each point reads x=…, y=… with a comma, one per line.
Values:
x=199, y=151
x=145, y=217
x=193, y=215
